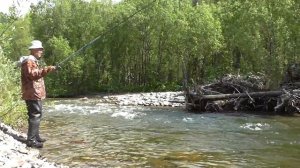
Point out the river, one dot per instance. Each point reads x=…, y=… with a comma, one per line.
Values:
x=93, y=134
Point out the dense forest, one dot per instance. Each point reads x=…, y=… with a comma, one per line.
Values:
x=152, y=45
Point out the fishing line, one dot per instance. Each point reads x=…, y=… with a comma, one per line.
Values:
x=86, y=46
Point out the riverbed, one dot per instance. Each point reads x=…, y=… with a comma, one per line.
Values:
x=91, y=133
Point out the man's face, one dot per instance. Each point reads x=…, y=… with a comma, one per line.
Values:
x=38, y=52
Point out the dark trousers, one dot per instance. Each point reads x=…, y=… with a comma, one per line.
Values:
x=34, y=108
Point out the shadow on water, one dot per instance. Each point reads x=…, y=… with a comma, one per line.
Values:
x=91, y=134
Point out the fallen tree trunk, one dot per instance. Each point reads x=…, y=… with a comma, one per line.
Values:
x=245, y=95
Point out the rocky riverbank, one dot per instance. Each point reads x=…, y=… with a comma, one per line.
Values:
x=171, y=99
x=14, y=153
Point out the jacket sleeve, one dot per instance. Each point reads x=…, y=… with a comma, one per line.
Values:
x=32, y=72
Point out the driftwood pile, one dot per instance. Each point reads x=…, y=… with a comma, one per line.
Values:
x=244, y=93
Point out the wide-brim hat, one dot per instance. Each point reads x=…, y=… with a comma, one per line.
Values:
x=36, y=44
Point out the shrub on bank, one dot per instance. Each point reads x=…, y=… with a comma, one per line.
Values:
x=12, y=108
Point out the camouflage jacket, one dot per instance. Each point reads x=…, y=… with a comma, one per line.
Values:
x=33, y=87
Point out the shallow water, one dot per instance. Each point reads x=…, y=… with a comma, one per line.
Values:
x=92, y=134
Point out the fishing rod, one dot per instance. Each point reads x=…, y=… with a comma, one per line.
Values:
x=89, y=44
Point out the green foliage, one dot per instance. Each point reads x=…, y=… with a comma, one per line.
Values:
x=257, y=34
x=150, y=49
x=15, y=36
x=153, y=49
x=20, y=37
x=59, y=49
x=12, y=109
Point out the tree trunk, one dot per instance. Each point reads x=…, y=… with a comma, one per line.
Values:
x=243, y=95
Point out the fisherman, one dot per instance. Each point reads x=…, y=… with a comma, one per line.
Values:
x=33, y=91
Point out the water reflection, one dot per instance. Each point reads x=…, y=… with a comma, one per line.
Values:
x=92, y=134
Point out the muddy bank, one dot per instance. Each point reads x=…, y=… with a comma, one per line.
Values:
x=14, y=153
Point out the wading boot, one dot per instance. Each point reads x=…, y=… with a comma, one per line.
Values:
x=34, y=144
x=32, y=134
x=39, y=139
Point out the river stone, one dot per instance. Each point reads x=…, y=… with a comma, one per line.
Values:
x=15, y=154
x=148, y=99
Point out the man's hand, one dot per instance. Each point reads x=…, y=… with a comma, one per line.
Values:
x=51, y=68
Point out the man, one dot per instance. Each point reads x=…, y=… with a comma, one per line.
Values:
x=33, y=91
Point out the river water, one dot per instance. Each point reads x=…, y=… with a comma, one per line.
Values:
x=92, y=134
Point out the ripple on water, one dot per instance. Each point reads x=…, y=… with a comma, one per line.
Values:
x=127, y=114
x=188, y=119
x=106, y=135
x=255, y=126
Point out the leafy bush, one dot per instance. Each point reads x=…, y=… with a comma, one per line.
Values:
x=12, y=108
